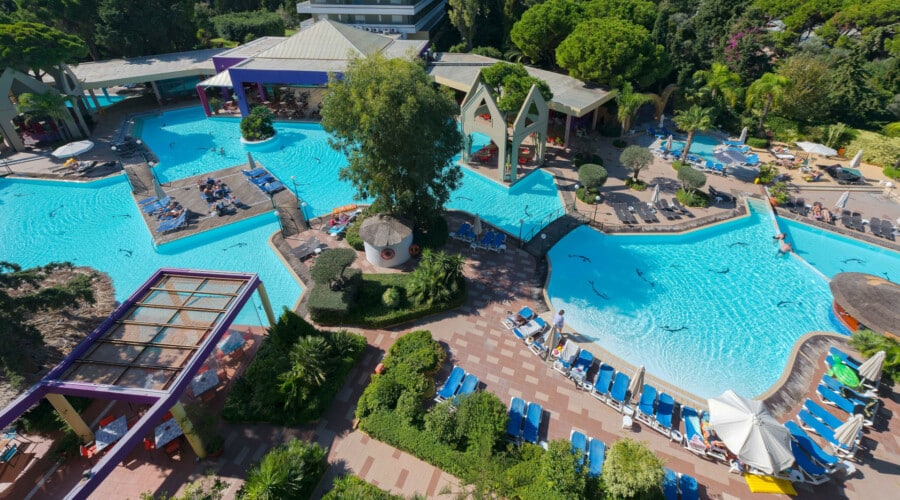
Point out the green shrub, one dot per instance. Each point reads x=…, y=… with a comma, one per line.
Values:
x=237, y=26
x=327, y=306
x=582, y=158
x=481, y=419
x=592, y=177
x=391, y=297
x=779, y=191
x=260, y=394
x=488, y=52
x=440, y=422
x=637, y=185
x=619, y=143
x=409, y=408
x=431, y=231
x=292, y=470
x=257, y=126
x=381, y=394
x=782, y=129
x=331, y=264
x=758, y=143
x=43, y=419
x=767, y=173
x=215, y=104
x=891, y=173
x=695, y=199
x=636, y=158
x=632, y=470
x=417, y=350
x=354, y=488
x=868, y=343
x=891, y=129
x=351, y=235
x=437, y=279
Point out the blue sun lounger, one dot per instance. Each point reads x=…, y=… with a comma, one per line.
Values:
x=733, y=143
x=832, y=398
x=172, y=224
x=846, y=358
x=836, y=386
x=812, y=472
x=751, y=160
x=646, y=406
x=618, y=392
x=156, y=206
x=581, y=366
x=822, y=414
x=670, y=485
x=464, y=233
x=516, y=417
x=602, y=381
x=498, y=244
x=812, y=423
x=662, y=419
x=810, y=446
x=689, y=489
x=451, y=385
x=533, y=417
x=579, y=444
x=485, y=241
x=596, y=457
x=469, y=384
x=256, y=172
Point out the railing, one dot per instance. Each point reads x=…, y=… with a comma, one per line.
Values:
x=6, y=166
x=545, y=221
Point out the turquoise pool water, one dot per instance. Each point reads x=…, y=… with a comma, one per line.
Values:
x=711, y=310
x=187, y=144
x=97, y=224
x=703, y=145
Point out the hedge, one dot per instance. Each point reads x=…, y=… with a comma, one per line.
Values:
x=246, y=26
x=352, y=487
x=332, y=307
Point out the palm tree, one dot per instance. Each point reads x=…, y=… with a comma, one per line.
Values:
x=660, y=100
x=693, y=119
x=720, y=79
x=629, y=102
x=437, y=278
x=768, y=89
x=310, y=358
x=50, y=105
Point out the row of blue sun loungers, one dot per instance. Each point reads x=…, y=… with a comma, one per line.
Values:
x=588, y=450
x=524, y=422
x=490, y=240
x=262, y=179
x=675, y=484
x=458, y=385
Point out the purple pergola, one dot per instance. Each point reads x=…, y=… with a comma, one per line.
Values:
x=147, y=352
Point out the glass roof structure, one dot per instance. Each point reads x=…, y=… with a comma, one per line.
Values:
x=147, y=351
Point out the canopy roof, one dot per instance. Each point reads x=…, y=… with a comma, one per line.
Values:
x=384, y=230
x=870, y=299
x=111, y=72
x=570, y=96
x=147, y=351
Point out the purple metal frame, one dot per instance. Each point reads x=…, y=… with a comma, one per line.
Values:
x=161, y=401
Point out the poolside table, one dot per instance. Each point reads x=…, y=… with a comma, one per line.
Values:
x=166, y=432
x=111, y=433
x=204, y=382
x=232, y=343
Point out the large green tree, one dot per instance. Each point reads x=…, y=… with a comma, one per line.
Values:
x=803, y=98
x=34, y=47
x=24, y=292
x=133, y=28
x=50, y=104
x=632, y=470
x=510, y=84
x=640, y=12
x=76, y=17
x=767, y=91
x=720, y=81
x=612, y=51
x=850, y=90
x=692, y=119
x=398, y=132
x=465, y=14
x=544, y=26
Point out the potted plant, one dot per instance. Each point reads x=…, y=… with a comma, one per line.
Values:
x=215, y=446
x=258, y=125
x=215, y=105
x=778, y=193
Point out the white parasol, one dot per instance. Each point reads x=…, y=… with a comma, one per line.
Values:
x=871, y=368
x=751, y=432
x=816, y=148
x=848, y=433
x=743, y=137
x=669, y=143
x=73, y=149
x=842, y=201
x=654, y=199
x=476, y=225
x=637, y=382
x=662, y=120
x=250, y=160
x=857, y=159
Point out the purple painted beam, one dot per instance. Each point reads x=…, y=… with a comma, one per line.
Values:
x=22, y=404
x=88, y=390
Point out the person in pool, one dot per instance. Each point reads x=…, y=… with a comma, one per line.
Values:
x=785, y=248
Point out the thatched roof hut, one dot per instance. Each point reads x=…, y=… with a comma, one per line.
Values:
x=869, y=299
x=384, y=230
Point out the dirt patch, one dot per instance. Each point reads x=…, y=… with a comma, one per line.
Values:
x=62, y=329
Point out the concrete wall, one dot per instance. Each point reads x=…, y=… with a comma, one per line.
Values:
x=401, y=253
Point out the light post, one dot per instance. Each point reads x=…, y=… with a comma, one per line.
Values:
x=596, y=206
x=521, y=222
x=303, y=213
x=575, y=202
x=296, y=195
x=543, y=242
x=278, y=216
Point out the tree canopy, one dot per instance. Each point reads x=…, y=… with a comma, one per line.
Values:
x=544, y=26
x=131, y=28
x=640, y=12
x=510, y=84
x=398, y=132
x=612, y=51
x=35, y=47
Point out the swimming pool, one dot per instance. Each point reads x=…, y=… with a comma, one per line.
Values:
x=97, y=224
x=703, y=145
x=187, y=143
x=102, y=99
x=714, y=309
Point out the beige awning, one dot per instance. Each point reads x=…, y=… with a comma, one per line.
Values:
x=222, y=79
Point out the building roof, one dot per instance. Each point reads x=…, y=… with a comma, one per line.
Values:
x=327, y=46
x=253, y=48
x=222, y=79
x=871, y=300
x=570, y=96
x=384, y=230
x=111, y=72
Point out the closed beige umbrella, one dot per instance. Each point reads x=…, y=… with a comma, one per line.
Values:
x=871, y=368
x=848, y=432
x=637, y=382
x=476, y=225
